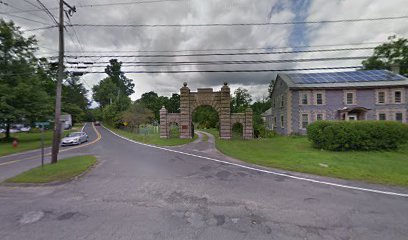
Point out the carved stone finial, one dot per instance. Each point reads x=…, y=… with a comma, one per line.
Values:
x=225, y=84
x=185, y=84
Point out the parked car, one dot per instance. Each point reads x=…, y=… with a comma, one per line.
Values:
x=2, y=130
x=97, y=123
x=74, y=138
x=25, y=129
x=14, y=130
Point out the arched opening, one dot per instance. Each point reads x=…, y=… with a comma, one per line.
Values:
x=237, y=130
x=174, y=130
x=205, y=117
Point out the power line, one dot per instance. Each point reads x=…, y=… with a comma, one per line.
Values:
x=228, y=49
x=104, y=5
x=142, y=63
x=220, y=54
x=27, y=19
x=45, y=9
x=233, y=71
x=203, y=71
x=39, y=28
x=236, y=24
x=12, y=6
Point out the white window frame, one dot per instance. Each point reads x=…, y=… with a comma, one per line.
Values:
x=323, y=98
x=381, y=113
x=274, y=122
x=301, y=95
x=402, y=116
x=301, y=120
x=402, y=96
x=377, y=96
x=354, y=100
x=282, y=120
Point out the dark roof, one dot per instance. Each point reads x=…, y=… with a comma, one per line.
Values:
x=363, y=78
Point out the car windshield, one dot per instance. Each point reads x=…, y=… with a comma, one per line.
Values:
x=76, y=134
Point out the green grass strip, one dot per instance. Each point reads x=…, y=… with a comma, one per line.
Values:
x=61, y=171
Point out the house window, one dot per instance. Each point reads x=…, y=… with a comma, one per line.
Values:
x=273, y=103
x=305, y=120
x=281, y=121
x=282, y=101
x=274, y=122
x=399, y=117
x=319, y=98
x=397, y=96
x=382, y=116
x=381, y=97
x=319, y=116
x=349, y=98
x=305, y=99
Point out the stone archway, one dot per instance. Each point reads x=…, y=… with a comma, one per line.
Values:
x=220, y=101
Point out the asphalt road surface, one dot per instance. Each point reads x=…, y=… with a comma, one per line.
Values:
x=139, y=192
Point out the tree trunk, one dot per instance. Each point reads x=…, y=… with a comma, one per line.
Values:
x=7, y=130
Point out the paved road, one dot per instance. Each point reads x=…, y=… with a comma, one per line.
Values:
x=138, y=192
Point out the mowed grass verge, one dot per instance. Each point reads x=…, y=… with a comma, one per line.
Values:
x=61, y=171
x=297, y=154
x=153, y=139
x=30, y=141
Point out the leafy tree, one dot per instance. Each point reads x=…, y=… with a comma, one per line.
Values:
x=173, y=104
x=112, y=113
x=241, y=100
x=154, y=102
x=74, y=100
x=105, y=92
x=136, y=115
x=115, y=73
x=22, y=95
x=205, y=117
x=386, y=54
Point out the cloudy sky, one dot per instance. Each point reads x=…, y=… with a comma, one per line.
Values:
x=177, y=40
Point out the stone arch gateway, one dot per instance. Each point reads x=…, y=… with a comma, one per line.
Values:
x=220, y=101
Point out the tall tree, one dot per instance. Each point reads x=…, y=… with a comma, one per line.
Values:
x=241, y=100
x=136, y=115
x=387, y=54
x=23, y=96
x=115, y=73
x=270, y=88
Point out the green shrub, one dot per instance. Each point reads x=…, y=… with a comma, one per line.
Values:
x=357, y=135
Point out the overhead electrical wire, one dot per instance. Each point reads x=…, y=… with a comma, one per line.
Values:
x=27, y=19
x=219, y=54
x=177, y=63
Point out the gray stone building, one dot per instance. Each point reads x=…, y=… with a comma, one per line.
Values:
x=299, y=99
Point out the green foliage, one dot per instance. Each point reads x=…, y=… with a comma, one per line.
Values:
x=63, y=170
x=22, y=94
x=205, y=117
x=136, y=115
x=395, y=51
x=357, y=135
x=112, y=114
x=241, y=100
x=270, y=88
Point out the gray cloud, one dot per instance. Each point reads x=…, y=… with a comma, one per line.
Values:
x=213, y=11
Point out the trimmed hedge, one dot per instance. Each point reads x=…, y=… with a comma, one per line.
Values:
x=357, y=135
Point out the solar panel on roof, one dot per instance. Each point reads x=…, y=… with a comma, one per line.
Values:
x=344, y=77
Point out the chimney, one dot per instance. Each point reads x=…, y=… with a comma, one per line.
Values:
x=395, y=68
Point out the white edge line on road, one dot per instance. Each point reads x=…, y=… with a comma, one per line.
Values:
x=266, y=171
x=82, y=130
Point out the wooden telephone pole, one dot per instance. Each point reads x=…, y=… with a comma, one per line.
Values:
x=57, y=119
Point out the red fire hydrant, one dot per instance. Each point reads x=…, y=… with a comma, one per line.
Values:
x=15, y=143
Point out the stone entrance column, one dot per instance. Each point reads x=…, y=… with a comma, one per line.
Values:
x=164, y=133
x=185, y=118
x=225, y=113
x=248, y=127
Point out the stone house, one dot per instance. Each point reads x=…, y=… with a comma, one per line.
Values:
x=299, y=99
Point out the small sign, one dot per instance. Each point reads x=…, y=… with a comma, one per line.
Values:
x=125, y=124
x=184, y=127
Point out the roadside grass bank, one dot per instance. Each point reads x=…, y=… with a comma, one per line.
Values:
x=152, y=138
x=63, y=170
x=30, y=141
x=295, y=153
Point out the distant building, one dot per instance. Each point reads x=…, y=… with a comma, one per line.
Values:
x=66, y=121
x=300, y=99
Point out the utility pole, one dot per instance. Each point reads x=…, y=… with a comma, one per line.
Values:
x=57, y=119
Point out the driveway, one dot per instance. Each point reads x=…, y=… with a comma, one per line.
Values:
x=140, y=192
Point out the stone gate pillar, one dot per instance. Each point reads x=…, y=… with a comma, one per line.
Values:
x=185, y=118
x=225, y=113
x=248, y=126
x=164, y=133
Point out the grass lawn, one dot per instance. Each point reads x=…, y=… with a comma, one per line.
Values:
x=152, y=138
x=63, y=170
x=297, y=154
x=29, y=141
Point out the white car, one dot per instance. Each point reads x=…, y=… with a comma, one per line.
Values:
x=25, y=129
x=74, y=138
x=14, y=130
x=2, y=130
